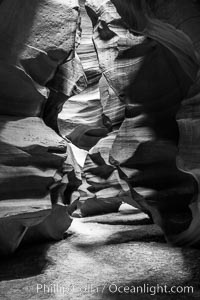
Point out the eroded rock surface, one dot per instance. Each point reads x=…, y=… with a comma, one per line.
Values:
x=39, y=72
x=150, y=139
x=124, y=93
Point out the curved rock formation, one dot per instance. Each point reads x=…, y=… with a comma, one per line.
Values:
x=128, y=98
x=160, y=65
x=39, y=72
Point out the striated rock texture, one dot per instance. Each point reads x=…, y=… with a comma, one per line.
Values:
x=102, y=189
x=39, y=37
x=90, y=121
x=154, y=70
x=121, y=84
x=84, y=111
x=39, y=72
x=92, y=108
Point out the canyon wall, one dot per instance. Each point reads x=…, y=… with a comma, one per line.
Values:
x=40, y=70
x=94, y=113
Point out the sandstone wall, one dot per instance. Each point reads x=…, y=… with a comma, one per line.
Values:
x=39, y=72
x=153, y=148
